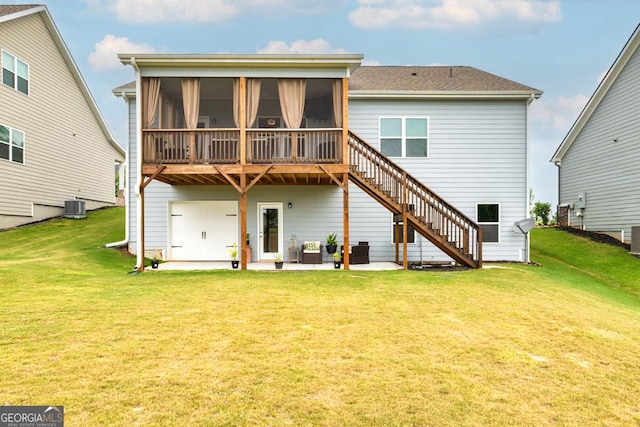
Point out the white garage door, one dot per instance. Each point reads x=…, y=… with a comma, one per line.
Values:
x=203, y=231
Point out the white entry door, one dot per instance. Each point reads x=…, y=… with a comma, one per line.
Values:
x=270, y=231
x=203, y=231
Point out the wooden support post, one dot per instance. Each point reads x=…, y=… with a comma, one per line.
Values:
x=243, y=226
x=345, y=218
x=243, y=120
x=405, y=234
x=192, y=147
x=141, y=231
x=345, y=121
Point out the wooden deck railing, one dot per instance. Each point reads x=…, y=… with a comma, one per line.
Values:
x=431, y=216
x=220, y=146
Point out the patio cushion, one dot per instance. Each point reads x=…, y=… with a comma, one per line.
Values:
x=311, y=247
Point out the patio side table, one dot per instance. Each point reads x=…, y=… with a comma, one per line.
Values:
x=294, y=255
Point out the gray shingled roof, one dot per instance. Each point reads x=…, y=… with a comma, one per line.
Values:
x=430, y=78
x=9, y=9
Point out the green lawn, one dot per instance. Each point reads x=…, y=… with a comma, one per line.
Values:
x=512, y=345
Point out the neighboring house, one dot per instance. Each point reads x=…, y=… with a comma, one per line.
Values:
x=599, y=159
x=305, y=145
x=54, y=144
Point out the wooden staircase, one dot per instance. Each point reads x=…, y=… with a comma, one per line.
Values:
x=430, y=216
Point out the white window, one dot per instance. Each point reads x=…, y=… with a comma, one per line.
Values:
x=11, y=144
x=488, y=217
x=411, y=233
x=15, y=73
x=404, y=136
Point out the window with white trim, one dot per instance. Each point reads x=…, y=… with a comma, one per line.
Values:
x=404, y=136
x=11, y=144
x=15, y=73
x=488, y=218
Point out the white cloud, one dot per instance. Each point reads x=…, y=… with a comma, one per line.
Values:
x=301, y=46
x=558, y=113
x=448, y=14
x=105, y=54
x=158, y=11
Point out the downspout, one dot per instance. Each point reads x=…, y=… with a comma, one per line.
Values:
x=139, y=249
x=126, y=195
x=527, y=247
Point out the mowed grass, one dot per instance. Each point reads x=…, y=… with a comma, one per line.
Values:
x=512, y=345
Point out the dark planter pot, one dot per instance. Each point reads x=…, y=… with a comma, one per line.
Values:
x=279, y=265
x=154, y=263
x=331, y=249
x=234, y=264
x=336, y=264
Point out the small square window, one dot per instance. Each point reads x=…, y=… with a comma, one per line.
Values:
x=488, y=217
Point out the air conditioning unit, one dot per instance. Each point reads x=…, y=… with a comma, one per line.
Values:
x=74, y=209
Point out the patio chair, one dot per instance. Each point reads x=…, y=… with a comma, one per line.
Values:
x=358, y=254
x=311, y=253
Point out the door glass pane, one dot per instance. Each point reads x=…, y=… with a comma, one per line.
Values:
x=270, y=230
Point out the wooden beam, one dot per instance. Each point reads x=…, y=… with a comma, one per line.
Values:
x=257, y=178
x=146, y=182
x=341, y=184
x=231, y=180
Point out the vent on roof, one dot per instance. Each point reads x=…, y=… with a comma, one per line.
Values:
x=74, y=209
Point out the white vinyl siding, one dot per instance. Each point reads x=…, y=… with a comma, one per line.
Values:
x=603, y=160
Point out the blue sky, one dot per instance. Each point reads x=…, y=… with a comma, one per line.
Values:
x=562, y=47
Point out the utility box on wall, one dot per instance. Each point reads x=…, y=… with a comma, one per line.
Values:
x=581, y=203
x=635, y=239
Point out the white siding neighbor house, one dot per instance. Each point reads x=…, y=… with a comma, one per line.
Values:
x=417, y=164
x=54, y=143
x=599, y=159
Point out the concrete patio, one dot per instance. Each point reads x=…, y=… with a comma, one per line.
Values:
x=226, y=265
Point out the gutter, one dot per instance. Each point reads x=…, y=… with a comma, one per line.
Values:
x=139, y=180
x=126, y=195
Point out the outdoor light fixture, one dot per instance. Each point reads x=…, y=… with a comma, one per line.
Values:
x=290, y=205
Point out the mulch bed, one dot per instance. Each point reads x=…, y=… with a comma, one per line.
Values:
x=597, y=237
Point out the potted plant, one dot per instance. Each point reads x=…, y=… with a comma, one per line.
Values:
x=337, y=259
x=233, y=252
x=248, y=238
x=332, y=243
x=278, y=262
x=155, y=260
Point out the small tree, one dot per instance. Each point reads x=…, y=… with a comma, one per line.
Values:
x=542, y=210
